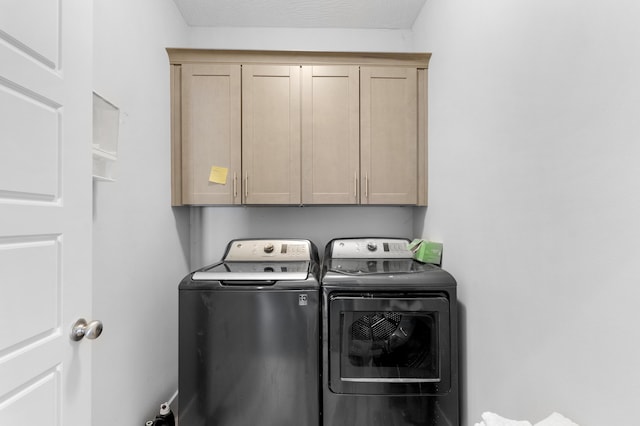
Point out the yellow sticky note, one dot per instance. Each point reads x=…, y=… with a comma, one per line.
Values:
x=218, y=175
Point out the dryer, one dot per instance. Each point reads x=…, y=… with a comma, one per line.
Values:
x=389, y=337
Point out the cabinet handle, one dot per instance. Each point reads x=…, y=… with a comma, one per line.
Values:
x=235, y=185
x=355, y=185
x=246, y=186
x=366, y=186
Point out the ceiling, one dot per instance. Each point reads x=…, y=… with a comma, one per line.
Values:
x=364, y=14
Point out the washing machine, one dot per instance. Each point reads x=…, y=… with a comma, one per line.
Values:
x=249, y=351
x=389, y=337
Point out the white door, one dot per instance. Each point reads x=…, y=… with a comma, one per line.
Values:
x=45, y=211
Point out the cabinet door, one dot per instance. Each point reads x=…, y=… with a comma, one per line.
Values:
x=330, y=135
x=211, y=138
x=389, y=140
x=271, y=134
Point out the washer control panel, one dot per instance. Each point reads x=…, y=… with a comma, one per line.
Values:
x=274, y=250
x=371, y=248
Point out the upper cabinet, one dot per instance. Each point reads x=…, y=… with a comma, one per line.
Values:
x=271, y=134
x=389, y=129
x=209, y=134
x=330, y=134
x=298, y=128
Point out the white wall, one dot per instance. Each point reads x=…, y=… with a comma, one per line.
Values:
x=535, y=192
x=213, y=227
x=140, y=243
x=315, y=39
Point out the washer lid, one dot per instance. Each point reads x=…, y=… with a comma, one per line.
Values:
x=378, y=266
x=254, y=271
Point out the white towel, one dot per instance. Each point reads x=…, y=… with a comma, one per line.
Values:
x=492, y=419
x=556, y=419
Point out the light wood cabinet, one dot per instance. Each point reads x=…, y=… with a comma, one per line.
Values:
x=389, y=135
x=330, y=135
x=271, y=134
x=299, y=127
x=210, y=133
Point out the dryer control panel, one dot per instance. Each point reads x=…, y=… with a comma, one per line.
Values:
x=371, y=248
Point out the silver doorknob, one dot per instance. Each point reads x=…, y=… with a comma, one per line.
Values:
x=82, y=328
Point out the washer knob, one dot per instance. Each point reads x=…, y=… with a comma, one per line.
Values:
x=371, y=246
x=268, y=248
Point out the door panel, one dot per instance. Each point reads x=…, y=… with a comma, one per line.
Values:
x=29, y=166
x=39, y=286
x=33, y=27
x=45, y=211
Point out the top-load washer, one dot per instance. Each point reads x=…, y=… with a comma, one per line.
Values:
x=249, y=337
x=389, y=337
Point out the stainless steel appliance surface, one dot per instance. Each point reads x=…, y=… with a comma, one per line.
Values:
x=249, y=330
x=389, y=337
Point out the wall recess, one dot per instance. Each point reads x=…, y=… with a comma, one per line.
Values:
x=106, y=120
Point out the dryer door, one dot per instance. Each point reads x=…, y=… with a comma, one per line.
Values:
x=385, y=344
